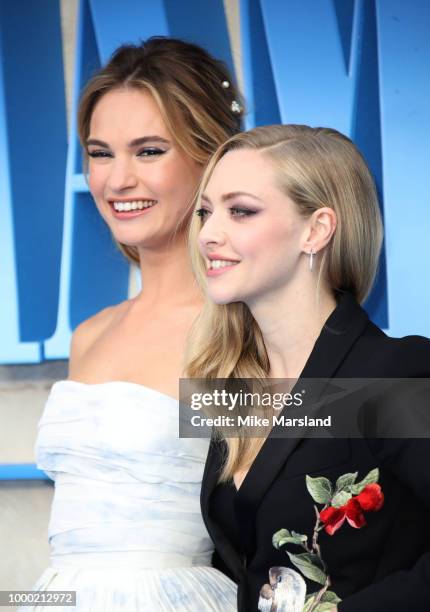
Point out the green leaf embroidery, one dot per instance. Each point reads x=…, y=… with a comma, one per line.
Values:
x=311, y=564
x=280, y=538
x=309, y=601
x=340, y=499
x=331, y=597
x=320, y=489
x=297, y=539
x=310, y=596
x=324, y=606
x=371, y=478
x=308, y=563
x=345, y=481
x=283, y=536
x=299, y=536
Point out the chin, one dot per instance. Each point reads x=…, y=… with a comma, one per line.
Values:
x=127, y=242
x=222, y=298
x=132, y=238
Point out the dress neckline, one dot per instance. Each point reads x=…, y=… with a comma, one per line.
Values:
x=110, y=383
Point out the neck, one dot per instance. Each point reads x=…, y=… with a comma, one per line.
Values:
x=290, y=323
x=166, y=276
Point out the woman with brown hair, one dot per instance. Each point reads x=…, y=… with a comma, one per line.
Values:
x=286, y=244
x=126, y=531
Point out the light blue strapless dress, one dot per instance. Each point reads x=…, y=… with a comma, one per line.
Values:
x=126, y=531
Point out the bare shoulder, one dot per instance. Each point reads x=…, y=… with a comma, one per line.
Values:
x=87, y=332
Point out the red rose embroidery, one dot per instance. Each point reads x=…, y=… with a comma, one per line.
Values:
x=354, y=514
x=370, y=499
x=356, y=499
x=332, y=518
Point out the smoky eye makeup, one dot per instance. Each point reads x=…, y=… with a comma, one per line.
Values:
x=236, y=212
x=151, y=152
x=145, y=146
x=147, y=152
x=202, y=212
x=99, y=153
x=242, y=211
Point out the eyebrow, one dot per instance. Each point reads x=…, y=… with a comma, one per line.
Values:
x=133, y=143
x=233, y=194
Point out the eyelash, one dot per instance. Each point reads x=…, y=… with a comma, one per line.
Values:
x=149, y=152
x=244, y=212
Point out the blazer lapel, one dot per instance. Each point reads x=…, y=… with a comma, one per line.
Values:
x=341, y=330
x=210, y=479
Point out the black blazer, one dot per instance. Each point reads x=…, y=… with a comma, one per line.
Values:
x=384, y=565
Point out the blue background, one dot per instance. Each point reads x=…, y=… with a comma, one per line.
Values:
x=361, y=66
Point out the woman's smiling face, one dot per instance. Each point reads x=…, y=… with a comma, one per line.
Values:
x=252, y=234
x=141, y=181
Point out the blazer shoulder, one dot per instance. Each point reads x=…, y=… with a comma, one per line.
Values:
x=406, y=357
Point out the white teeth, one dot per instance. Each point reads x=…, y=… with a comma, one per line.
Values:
x=135, y=205
x=214, y=264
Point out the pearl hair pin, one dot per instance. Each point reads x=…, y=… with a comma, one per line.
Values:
x=235, y=106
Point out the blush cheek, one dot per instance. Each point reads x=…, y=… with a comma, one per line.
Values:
x=96, y=184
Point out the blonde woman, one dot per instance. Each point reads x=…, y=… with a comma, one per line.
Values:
x=286, y=244
x=126, y=531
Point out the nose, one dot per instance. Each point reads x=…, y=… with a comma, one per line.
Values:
x=212, y=233
x=122, y=175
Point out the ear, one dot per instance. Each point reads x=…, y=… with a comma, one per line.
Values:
x=320, y=229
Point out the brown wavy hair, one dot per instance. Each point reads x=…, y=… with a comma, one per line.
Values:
x=187, y=84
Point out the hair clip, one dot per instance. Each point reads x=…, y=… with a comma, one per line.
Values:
x=235, y=106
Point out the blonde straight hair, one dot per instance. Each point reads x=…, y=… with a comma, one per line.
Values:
x=314, y=167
